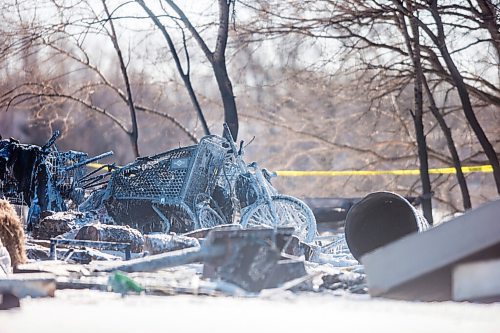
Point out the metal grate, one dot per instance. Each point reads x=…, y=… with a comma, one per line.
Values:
x=15, y=198
x=206, y=168
x=57, y=163
x=158, y=177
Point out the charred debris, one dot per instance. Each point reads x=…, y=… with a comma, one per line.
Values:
x=201, y=220
x=109, y=227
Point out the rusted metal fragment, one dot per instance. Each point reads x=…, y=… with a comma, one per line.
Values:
x=9, y=301
x=285, y=270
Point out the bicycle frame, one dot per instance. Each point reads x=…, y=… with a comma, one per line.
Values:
x=265, y=191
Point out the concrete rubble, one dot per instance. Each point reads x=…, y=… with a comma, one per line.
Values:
x=53, y=224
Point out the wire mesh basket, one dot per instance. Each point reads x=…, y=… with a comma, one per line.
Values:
x=149, y=191
x=14, y=197
x=58, y=164
x=160, y=177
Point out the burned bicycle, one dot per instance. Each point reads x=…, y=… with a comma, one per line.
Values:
x=254, y=201
x=201, y=186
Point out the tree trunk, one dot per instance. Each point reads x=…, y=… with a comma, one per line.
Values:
x=414, y=52
x=439, y=117
x=462, y=183
x=134, y=132
x=228, y=100
x=220, y=69
x=185, y=76
x=217, y=60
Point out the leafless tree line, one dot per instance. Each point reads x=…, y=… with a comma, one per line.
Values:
x=67, y=40
x=325, y=84
x=404, y=42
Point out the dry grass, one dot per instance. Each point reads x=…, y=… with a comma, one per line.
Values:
x=12, y=233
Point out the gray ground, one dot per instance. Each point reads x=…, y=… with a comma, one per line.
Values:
x=93, y=311
x=278, y=310
x=274, y=310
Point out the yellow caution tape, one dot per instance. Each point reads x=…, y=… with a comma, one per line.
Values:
x=95, y=165
x=290, y=173
x=467, y=169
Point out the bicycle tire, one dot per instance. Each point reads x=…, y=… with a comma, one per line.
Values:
x=290, y=211
x=208, y=217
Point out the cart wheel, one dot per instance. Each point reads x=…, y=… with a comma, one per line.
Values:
x=290, y=211
x=208, y=217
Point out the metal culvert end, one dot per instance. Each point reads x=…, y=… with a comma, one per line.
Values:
x=379, y=219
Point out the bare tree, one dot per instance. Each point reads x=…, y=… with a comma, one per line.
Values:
x=325, y=84
x=134, y=131
x=185, y=75
x=71, y=78
x=413, y=47
x=365, y=26
x=439, y=41
x=217, y=59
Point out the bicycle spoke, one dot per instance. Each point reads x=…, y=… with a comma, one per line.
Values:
x=290, y=212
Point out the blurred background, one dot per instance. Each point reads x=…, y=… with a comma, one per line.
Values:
x=318, y=85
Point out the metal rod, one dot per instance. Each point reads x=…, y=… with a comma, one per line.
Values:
x=53, y=251
x=165, y=260
x=93, y=185
x=87, y=161
x=94, y=172
x=95, y=179
x=53, y=138
x=162, y=216
x=115, y=246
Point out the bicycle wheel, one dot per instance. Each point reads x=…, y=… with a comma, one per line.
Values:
x=208, y=217
x=290, y=211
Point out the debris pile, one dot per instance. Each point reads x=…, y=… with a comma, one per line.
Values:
x=202, y=214
x=352, y=282
x=43, y=178
x=201, y=186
